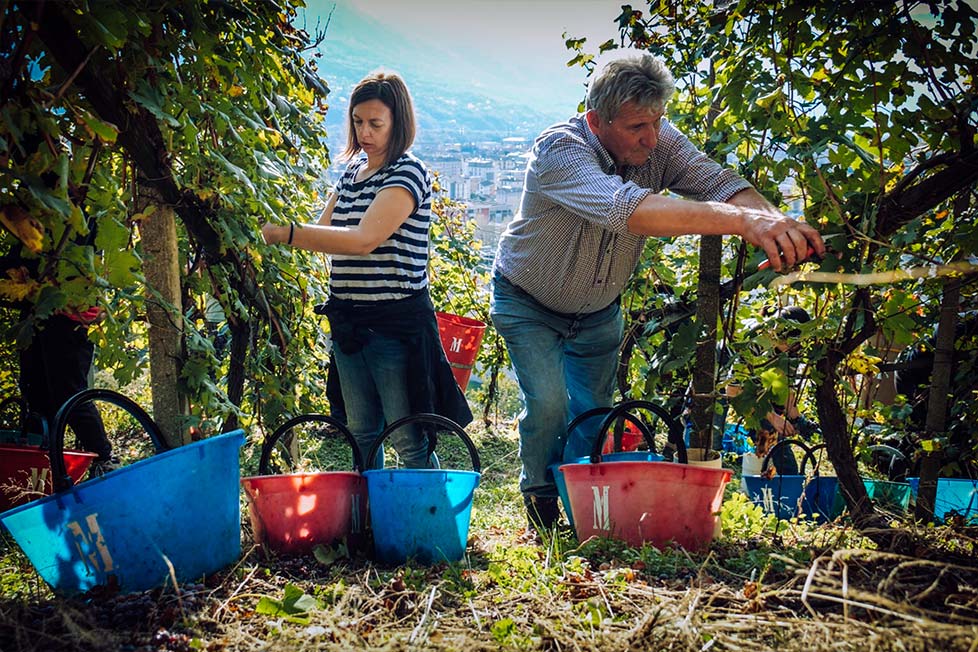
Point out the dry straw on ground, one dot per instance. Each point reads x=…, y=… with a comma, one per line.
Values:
x=852, y=599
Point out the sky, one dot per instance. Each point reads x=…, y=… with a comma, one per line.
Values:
x=509, y=48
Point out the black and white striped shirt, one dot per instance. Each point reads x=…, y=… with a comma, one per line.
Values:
x=399, y=266
x=569, y=245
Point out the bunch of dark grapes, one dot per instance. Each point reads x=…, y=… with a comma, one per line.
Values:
x=132, y=611
x=166, y=641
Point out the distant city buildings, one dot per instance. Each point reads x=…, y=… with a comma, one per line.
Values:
x=485, y=176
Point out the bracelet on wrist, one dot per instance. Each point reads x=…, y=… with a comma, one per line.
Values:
x=291, y=232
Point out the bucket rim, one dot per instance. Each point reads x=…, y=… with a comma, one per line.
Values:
x=40, y=449
x=460, y=472
x=464, y=321
x=623, y=465
x=120, y=472
x=585, y=459
x=305, y=474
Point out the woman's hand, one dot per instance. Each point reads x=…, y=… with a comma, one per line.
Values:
x=781, y=425
x=274, y=233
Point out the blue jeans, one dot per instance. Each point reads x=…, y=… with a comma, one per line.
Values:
x=565, y=365
x=374, y=385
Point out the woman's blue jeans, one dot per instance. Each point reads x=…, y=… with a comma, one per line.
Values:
x=565, y=365
x=374, y=385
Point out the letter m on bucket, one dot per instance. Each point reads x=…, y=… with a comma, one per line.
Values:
x=602, y=518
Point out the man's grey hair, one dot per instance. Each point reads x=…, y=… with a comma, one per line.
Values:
x=629, y=75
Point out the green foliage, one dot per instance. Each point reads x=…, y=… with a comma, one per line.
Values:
x=506, y=633
x=238, y=111
x=841, y=111
x=294, y=606
x=741, y=519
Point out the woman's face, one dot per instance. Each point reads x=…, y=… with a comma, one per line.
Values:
x=373, y=121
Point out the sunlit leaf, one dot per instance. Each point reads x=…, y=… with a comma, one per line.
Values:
x=27, y=229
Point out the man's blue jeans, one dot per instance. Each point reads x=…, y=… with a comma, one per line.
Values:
x=565, y=365
x=374, y=385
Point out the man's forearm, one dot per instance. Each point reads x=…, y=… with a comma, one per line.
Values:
x=747, y=214
x=750, y=198
x=664, y=216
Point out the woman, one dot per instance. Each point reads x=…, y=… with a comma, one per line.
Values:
x=375, y=225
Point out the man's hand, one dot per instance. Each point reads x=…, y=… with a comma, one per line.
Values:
x=786, y=241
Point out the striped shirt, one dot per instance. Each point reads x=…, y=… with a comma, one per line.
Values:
x=569, y=245
x=398, y=267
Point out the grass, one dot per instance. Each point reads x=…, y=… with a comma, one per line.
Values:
x=764, y=585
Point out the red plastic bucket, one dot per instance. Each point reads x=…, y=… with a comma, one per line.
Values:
x=461, y=338
x=638, y=502
x=631, y=438
x=294, y=512
x=25, y=472
x=627, y=420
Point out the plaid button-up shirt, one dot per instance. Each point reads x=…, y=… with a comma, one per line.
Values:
x=569, y=245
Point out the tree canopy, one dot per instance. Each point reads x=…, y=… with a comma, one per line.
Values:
x=862, y=117
x=111, y=110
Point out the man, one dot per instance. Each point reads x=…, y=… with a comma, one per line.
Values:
x=590, y=199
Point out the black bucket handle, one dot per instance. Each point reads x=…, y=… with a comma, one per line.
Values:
x=810, y=455
x=675, y=430
x=894, y=453
x=647, y=434
x=265, y=462
x=784, y=443
x=435, y=419
x=62, y=481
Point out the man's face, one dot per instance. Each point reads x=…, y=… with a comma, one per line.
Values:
x=631, y=135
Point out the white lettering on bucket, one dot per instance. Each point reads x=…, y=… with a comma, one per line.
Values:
x=602, y=518
x=355, y=524
x=39, y=479
x=456, y=346
x=93, y=535
x=767, y=498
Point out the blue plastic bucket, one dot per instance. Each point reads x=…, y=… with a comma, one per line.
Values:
x=786, y=496
x=889, y=495
x=421, y=514
x=17, y=437
x=954, y=495
x=294, y=512
x=821, y=499
x=779, y=495
x=177, y=511
x=736, y=439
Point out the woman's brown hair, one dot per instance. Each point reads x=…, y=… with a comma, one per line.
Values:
x=389, y=88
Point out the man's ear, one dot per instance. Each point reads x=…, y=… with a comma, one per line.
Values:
x=593, y=120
